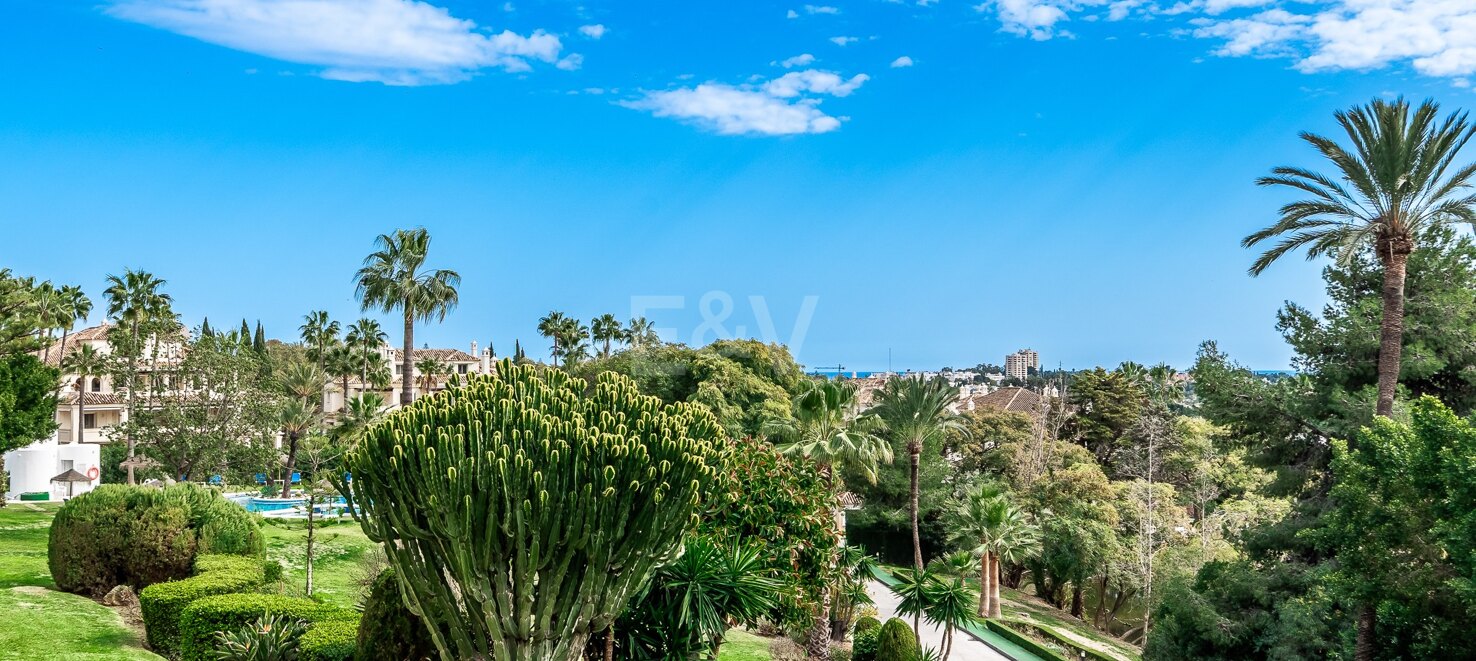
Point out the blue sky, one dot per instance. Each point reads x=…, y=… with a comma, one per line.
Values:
x=949, y=181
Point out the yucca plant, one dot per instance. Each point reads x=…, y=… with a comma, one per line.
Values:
x=520, y=514
x=269, y=638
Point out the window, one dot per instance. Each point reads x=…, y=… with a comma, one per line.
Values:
x=89, y=421
x=461, y=368
x=96, y=384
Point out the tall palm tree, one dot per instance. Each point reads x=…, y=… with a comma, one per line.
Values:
x=343, y=363
x=302, y=380
x=990, y=527
x=394, y=277
x=297, y=418
x=84, y=361
x=829, y=430
x=319, y=335
x=430, y=371
x=915, y=411
x=606, y=329
x=641, y=333
x=575, y=340
x=72, y=306
x=552, y=326
x=134, y=300
x=1395, y=184
x=365, y=336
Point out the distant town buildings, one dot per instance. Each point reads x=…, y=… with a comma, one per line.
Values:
x=1019, y=364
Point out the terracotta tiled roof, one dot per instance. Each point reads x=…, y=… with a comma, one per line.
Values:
x=443, y=355
x=54, y=356
x=1016, y=400
x=90, y=398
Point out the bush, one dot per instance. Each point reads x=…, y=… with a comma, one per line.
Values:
x=896, y=642
x=271, y=571
x=163, y=604
x=331, y=640
x=269, y=638
x=138, y=536
x=388, y=630
x=840, y=653
x=866, y=623
x=863, y=643
x=784, y=649
x=228, y=612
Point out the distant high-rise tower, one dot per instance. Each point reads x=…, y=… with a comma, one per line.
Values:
x=1019, y=364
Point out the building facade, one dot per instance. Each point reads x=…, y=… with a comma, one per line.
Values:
x=1018, y=365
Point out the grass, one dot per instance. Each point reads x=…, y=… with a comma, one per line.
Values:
x=41, y=624
x=740, y=645
x=341, y=558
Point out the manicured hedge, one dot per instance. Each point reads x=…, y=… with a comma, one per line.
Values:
x=138, y=536
x=228, y=612
x=388, y=629
x=163, y=604
x=866, y=623
x=1024, y=641
x=332, y=640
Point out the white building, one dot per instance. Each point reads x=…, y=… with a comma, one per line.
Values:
x=35, y=467
x=1019, y=364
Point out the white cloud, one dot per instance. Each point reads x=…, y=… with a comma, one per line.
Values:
x=841, y=41
x=792, y=14
x=800, y=60
x=1036, y=19
x=397, y=42
x=1222, y=6
x=571, y=62
x=592, y=31
x=787, y=105
x=1266, y=33
x=821, y=9
x=900, y=62
x=1435, y=37
x=795, y=83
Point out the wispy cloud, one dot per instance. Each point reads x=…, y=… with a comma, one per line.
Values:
x=592, y=31
x=396, y=42
x=787, y=105
x=901, y=62
x=841, y=41
x=821, y=9
x=803, y=59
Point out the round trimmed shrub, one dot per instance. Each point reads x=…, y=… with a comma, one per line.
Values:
x=896, y=642
x=388, y=630
x=863, y=643
x=866, y=623
x=138, y=536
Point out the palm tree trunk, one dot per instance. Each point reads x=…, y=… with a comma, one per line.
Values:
x=132, y=385
x=309, y=565
x=994, y=606
x=407, y=366
x=985, y=576
x=1363, y=648
x=291, y=461
x=1394, y=254
x=818, y=646
x=914, y=454
x=81, y=407
x=610, y=642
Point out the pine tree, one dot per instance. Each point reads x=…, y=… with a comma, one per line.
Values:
x=205, y=328
x=245, y=330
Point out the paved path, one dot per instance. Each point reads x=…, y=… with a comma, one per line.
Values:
x=965, y=647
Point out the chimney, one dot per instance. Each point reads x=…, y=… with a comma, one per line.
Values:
x=474, y=348
x=486, y=361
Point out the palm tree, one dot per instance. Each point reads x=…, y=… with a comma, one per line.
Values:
x=297, y=417
x=358, y=414
x=990, y=527
x=301, y=380
x=343, y=363
x=1389, y=191
x=394, y=278
x=72, y=305
x=641, y=333
x=606, y=329
x=915, y=410
x=84, y=361
x=430, y=370
x=365, y=336
x=575, y=340
x=828, y=429
x=319, y=334
x=135, y=299
x=552, y=327
x=948, y=606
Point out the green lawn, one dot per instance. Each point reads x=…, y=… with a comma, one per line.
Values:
x=340, y=552
x=740, y=645
x=41, y=624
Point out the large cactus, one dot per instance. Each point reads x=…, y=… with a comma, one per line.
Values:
x=521, y=516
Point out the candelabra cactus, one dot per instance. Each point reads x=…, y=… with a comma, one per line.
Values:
x=521, y=515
